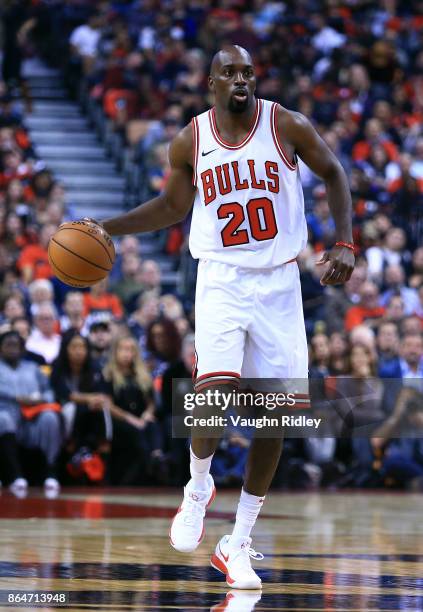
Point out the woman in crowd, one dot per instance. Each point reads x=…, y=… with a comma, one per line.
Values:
x=163, y=346
x=359, y=410
x=77, y=387
x=338, y=346
x=137, y=437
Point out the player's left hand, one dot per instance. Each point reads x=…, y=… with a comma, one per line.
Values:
x=341, y=264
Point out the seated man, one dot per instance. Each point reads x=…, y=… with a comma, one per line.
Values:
x=27, y=415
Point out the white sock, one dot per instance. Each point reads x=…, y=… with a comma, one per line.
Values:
x=247, y=512
x=200, y=469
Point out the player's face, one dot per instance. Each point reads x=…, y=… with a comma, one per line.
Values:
x=234, y=83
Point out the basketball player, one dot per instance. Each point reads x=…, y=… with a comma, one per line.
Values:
x=238, y=165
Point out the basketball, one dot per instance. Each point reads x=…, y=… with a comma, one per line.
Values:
x=81, y=253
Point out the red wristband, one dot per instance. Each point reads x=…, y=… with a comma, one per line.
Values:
x=347, y=245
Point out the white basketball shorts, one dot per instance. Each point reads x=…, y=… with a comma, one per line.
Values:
x=249, y=323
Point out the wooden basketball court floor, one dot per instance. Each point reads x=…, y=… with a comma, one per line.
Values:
x=108, y=549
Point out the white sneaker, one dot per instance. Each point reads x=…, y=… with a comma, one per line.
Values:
x=51, y=488
x=187, y=529
x=19, y=487
x=232, y=558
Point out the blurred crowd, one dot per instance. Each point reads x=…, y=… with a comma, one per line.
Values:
x=96, y=400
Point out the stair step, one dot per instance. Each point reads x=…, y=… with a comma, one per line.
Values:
x=45, y=80
x=77, y=168
x=105, y=199
x=48, y=93
x=149, y=249
x=165, y=263
x=170, y=278
x=55, y=112
x=34, y=68
x=56, y=123
x=91, y=181
x=47, y=106
x=65, y=152
x=55, y=136
x=96, y=211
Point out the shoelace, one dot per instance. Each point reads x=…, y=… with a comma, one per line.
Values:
x=258, y=556
x=244, y=554
x=192, y=509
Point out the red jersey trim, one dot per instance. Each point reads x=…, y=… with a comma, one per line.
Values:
x=248, y=137
x=217, y=374
x=195, y=146
x=217, y=381
x=276, y=139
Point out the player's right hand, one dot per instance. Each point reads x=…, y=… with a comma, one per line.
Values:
x=91, y=220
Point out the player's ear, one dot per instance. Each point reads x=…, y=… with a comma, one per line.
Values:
x=211, y=84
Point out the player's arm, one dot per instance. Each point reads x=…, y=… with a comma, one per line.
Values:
x=170, y=206
x=314, y=152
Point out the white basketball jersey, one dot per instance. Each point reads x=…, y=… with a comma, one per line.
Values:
x=249, y=206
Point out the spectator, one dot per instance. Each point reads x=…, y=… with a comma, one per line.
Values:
x=23, y=327
x=127, y=288
x=129, y=245
x=411, y=325
x=77, y=386
x=392, y=252
x=84, y=41
x=362, y=362
x=163, y=346
x=320, y=356
x=419, y=309
x=100, y=337
x=12, y=307
x=338, y=347
x=409, y=363
x=364, y=336
x=44, y=339
x=16, y=236
x=312, y=290
x=39, y=291
x=320, y=223
x=395, y=283
x=33, y=261
x=395, y=311
x=398, y=440
x=137, y=446
x=27, y=415
x=98, y=299
x=416, y=278
x=368, y=309
x=170, y=307
x=150, y=276
x=326, y=38
x=146, y=313
x=340, y=299
x=387, y=343
x=181, y=369
x=73, y=312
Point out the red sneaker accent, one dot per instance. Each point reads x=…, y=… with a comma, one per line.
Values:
x=218, y=564
x=226, y=557
x=212, y=496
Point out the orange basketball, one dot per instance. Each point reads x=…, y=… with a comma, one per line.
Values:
x=81, y=253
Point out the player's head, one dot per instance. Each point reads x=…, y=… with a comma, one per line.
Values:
x=232, y=79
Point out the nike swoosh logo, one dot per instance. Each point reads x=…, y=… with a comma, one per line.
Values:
x=226, y=557
x=208, y=152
